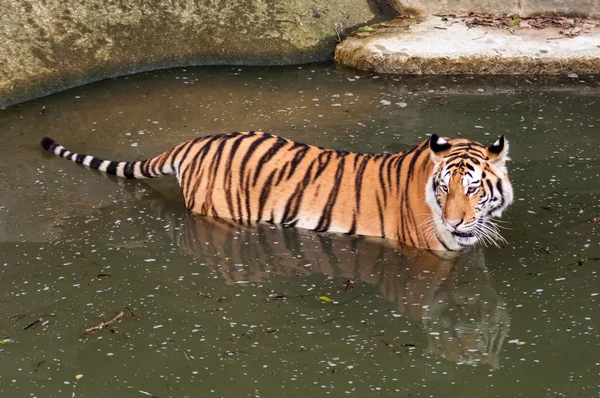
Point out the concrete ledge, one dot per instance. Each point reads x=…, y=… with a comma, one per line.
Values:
x=436, y=46
x=525, y=8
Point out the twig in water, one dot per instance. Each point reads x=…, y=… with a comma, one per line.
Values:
x=349, y=284
x=355, y=297
x=578, y=262
x=38, y=365
x=285, y=297
x=332, y=319
x=102, y=325
x=18, y=317
x=32, y=324
x=129, y=309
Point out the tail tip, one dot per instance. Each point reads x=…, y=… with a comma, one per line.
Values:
x=47, y=143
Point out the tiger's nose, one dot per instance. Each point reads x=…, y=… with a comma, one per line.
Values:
x=453, y=223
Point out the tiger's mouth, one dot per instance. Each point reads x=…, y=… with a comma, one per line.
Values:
x=463, y=234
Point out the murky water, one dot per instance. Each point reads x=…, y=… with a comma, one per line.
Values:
x=213, y=309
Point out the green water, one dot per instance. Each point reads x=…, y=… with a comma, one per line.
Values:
x=212, y=309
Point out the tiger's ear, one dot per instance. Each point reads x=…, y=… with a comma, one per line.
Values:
x=438, y=147
x=498, y=152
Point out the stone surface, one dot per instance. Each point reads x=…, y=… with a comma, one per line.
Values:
x=433, y=46
x=587, y=8
x=51, y=45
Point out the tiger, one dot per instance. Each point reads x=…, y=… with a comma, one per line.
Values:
x=442, y=195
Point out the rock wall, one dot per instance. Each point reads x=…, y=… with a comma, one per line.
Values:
x=525, y=8
x=48, y=46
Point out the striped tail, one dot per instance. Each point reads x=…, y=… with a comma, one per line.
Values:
x=156, y=167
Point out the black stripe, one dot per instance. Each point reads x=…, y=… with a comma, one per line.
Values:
x=281, y=173
x=400, y=162
x=264, y=194
x=228, y=174
x=280, y=143
x=214, y=169
x=381, y=222
x=247, y=193
x=389, y=172
x=382, y=181
x=358, y=179
x=446, y=247
x=298, y=157
x=145, y=169
x=323, y=163
x=95, y=163
x=293, y=204
x=472, y=157
x=188, y=147
x=247, y=155
x=325, y=221
x=408, y=211
x=180, y=148
x=240, y=216
x=356, y=157
x=112, y=168
x=169, y=157
x=128, y=170
x=162, y=161
x=352, y=230
x=212, y=172
x=194, y=166
x=490, y=187
x=501, y=192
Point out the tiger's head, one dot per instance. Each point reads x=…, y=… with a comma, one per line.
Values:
x=469, y=186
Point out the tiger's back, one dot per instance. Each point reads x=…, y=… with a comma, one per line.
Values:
x=260, y=177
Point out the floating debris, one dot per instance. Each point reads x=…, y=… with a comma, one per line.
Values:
x=33, y=324
x=102, y=325
x=516, y=341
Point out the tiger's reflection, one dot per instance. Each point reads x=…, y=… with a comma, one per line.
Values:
x=465, y=320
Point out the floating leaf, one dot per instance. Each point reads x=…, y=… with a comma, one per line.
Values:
x=5, y=341
x=325, y=299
